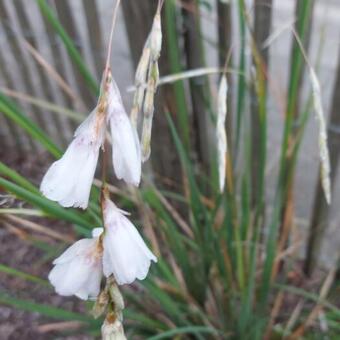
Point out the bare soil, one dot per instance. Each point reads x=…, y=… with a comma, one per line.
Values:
x=17, y=251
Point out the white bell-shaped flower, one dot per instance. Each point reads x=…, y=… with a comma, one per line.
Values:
x=68, y=181
x=126, y=151
x=78, y=271
x=126, y=256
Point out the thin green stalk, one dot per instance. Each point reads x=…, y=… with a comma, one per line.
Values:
x=241, y=86
x=286, y=162
x=304, y=13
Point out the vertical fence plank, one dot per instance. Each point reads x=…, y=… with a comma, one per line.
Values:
x=15, y=136
x=319, y=220
x=138, y=21
x=66, y=19
x=59, y=65
x=194, y=53
x=224, y=29
x=95, y=35
x=16, y=53
x=262, y=27
x=44, y=83
x=303, y=27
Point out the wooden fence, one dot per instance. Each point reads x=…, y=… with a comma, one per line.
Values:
x=37, y=73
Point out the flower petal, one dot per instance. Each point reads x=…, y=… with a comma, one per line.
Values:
x=126, y=152
x=76, y=249
x=78, y=270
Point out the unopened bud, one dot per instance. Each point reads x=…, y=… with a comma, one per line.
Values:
x=116, y=296
x=156, y=37
x=112, y=329
x=101, y=304
x=142, y=67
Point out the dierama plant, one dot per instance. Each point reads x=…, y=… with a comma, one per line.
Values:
x=116, y=251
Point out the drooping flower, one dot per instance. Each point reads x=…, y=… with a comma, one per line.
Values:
x=126, y=152
x=68, y=180
x=126, y=256
x=78, y=271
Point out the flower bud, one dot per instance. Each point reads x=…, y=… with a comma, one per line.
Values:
x=101, y=304
x=156, y=37
x=112, y=329
x=116, y=296
x=142, y=67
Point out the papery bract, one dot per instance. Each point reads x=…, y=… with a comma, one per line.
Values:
x=68, y=180
x=126, y=256
x=78, y=271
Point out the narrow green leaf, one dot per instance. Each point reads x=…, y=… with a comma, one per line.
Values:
x=195, y=330
x=49, y=207
x=13, y=113
x=23, y=275
x=47, y=310
x=18, y=179
x=144, y=320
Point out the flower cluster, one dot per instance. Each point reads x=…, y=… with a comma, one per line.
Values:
x=68, y=181
x=117, y=250
x=120, y=251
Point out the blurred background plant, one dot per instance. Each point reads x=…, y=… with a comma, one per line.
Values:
x=238, y=265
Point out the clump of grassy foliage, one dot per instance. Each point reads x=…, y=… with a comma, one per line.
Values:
x=221, y=271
